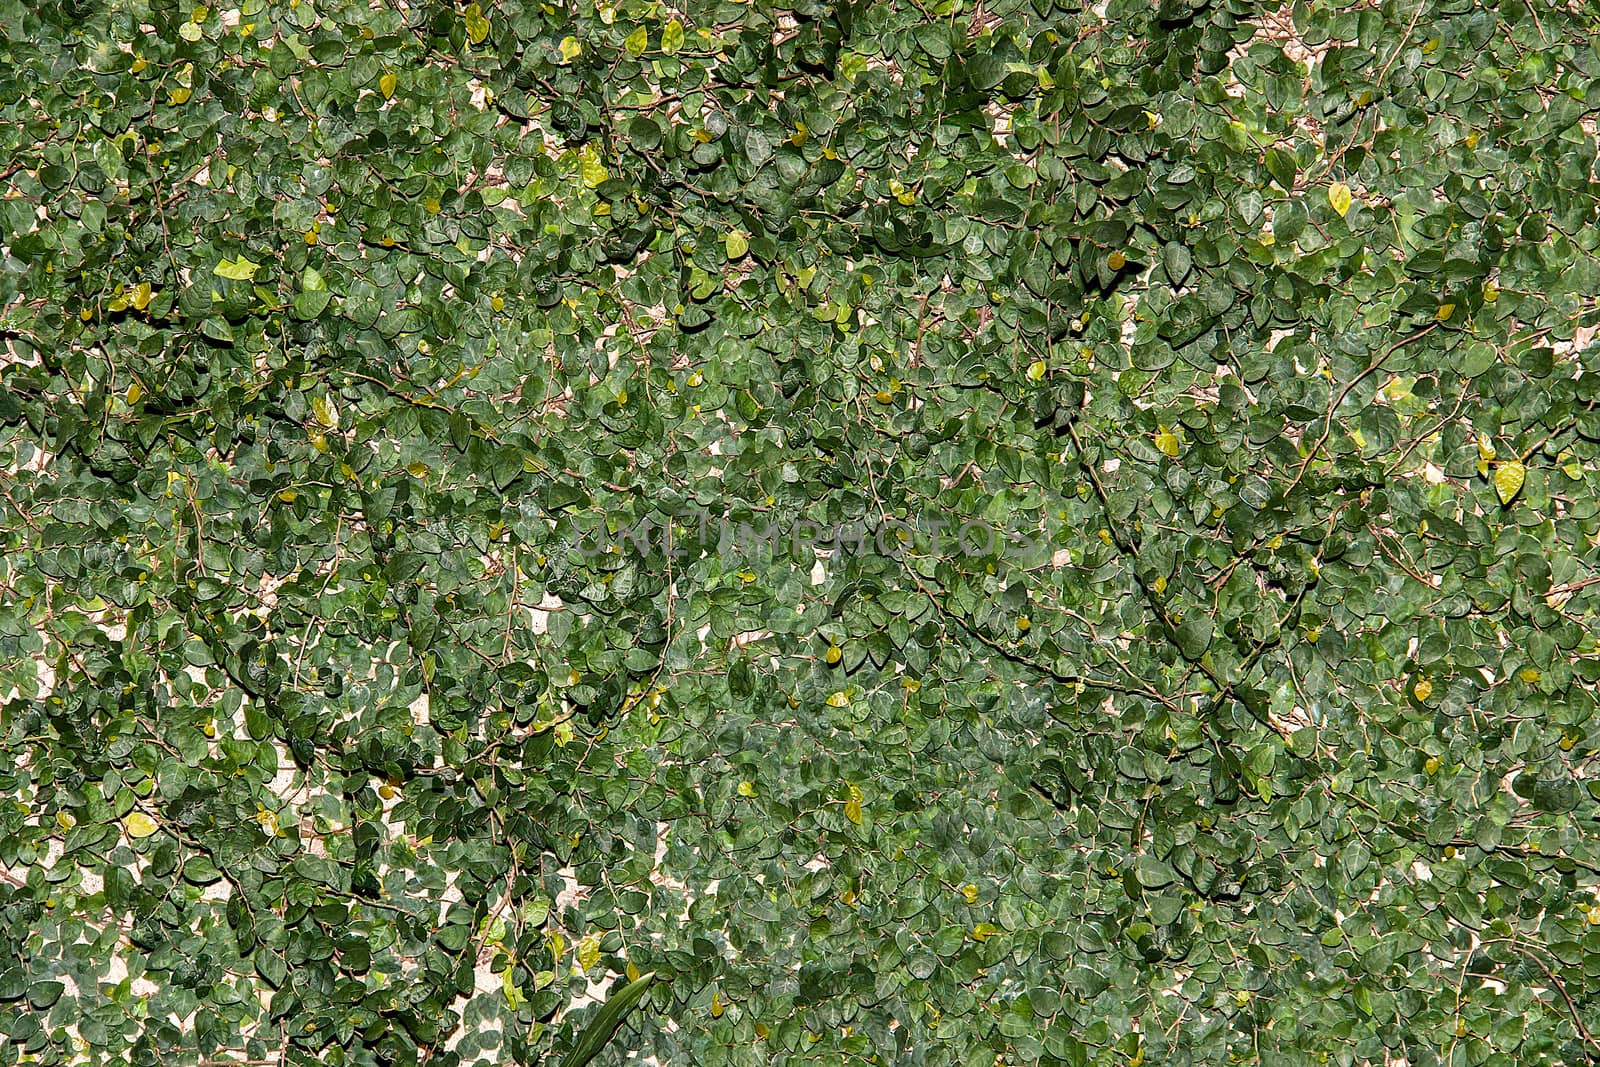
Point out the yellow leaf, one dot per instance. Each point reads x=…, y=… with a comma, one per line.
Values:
x=570, y=49
x=591, y=169
x=238, y=270
x=1339, y=196
x=747, y=789
x=588, y=952
x=1423, y=689
x=1036, y=370
x=1485, y=447
x=1168, y=444
x=387, y=83
x=736, y=244
x=716, y=1005
x=1508, y=480
x=1116, y=261
x=325, y=412
x=637, y=42
x=840, y=699
x=135, y=391
x=180, y=96
x=141, y=295
x=852, y=811
x=512, y=991
x=1444, y=312
x=477, y=25
x=672, y=37
x=983, y=930
x=138, y=824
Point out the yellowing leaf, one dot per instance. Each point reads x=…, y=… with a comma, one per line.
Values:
x=1339, y=197
x=141, y=295
x=716, y=1005
x=325, y=412
x=1423, y=689
x=477, y=25
x=840, y=699
x=637, y=42
x=852, y=807
x=1444, y=312
x=1036, y=370
x=588, y=952
x=672, y=37
x=984, y=930
x=513, y=992
x=747, y=789
x=238, y=270
x=736, y=244
x=1508, y=480
x=135, y=391
x=1168, y=444
x=591, y=169
x=570, y=49
x=138, y=824
x=387, y=83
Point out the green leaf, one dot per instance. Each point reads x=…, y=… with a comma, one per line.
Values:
x=1193, y=636
x=605, y=1022
x=1153, y=873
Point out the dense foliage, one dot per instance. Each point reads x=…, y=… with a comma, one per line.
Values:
x=378, y=381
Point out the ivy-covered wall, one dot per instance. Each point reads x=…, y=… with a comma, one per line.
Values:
x=421, y=430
